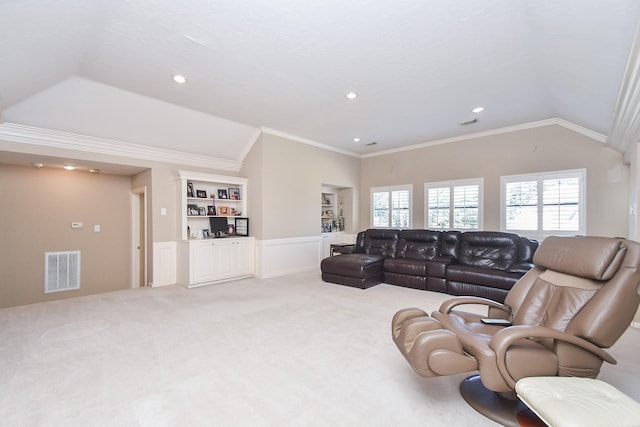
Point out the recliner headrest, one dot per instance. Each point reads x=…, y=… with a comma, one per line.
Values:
x=590, y=257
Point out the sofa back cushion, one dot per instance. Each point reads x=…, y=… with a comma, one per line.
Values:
x=383, y=242
x=450, y=244
x=489, y=249
x=418, y=244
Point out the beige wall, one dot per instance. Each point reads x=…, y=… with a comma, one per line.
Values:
x=291, y=177
x=541, y=149
x=37, y=207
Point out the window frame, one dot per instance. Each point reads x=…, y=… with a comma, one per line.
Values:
x=540, y=177
x=452, y=184
x=390, y=190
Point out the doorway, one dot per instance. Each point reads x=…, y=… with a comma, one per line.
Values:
x=139, y=237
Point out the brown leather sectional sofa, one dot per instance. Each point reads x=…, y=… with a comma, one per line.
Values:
x=479, y=263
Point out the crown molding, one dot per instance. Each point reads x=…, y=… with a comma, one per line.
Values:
x=12, y=132
x=555, y=121
x=296, y=138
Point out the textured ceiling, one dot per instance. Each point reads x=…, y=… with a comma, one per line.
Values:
x=419, y=66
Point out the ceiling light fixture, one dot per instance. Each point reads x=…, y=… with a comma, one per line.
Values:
x=94, y=170
x=351, y=95
x=478, y=109
x=356, y=139
x=37, y=165
x=180, y=79
x=69, y=167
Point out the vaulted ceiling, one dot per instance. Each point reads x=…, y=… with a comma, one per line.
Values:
x=283, y=66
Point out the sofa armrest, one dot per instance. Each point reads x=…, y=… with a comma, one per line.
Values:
x=347, y=249
x=520, y=267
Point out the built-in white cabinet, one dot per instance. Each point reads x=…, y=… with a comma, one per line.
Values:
x=216, y=260
x=207, y=200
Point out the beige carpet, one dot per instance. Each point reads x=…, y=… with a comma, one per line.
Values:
x=291, y=351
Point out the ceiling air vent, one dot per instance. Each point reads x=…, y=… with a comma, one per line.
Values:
x=468, y=122
x=371, y=143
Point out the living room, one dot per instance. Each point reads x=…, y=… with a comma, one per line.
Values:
x=138, y=141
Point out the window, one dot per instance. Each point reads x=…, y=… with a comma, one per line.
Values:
x=454, y=204
x=391, y=207
x=544, y=204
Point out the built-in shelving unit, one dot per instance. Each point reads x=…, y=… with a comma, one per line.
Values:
x=204, y=259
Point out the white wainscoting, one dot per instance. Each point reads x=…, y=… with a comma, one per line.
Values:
x=164, y=264
x=277, y=257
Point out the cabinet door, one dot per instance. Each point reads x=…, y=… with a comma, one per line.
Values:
x=244, y=257
x=223, y=259
x=201, y=267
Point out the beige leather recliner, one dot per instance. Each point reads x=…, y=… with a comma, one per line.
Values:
x=579, y=298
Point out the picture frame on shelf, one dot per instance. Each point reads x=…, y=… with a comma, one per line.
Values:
x=192, y=210
x=189, y=189
x=231, y=230
x=202, y=211
x=223, y=210
x=242, y=227
x=235, y=212
x=222, y=193
x=201, y=194
x=211, y=210
x=234, y=193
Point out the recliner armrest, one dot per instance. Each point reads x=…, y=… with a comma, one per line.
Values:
x=504, y=338
x=450, y=304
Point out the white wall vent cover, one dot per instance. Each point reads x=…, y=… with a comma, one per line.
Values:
x=61, y=271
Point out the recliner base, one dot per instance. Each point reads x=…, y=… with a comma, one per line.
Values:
x=489, y=403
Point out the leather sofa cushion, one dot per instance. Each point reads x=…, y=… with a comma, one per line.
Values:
x=418, y=244
x=381, y=242
x=481, y=276
x=353, y=265
x=450, y=243
x=488, y=249
x=405, y=266
x=437, y=268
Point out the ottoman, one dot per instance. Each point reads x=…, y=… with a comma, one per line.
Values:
x=578, y=402
x=357, y=270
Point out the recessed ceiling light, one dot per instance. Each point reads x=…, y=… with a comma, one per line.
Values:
x=94, y=170
x=69, y=167
x=356, y=139
x=351, y=95
x=37, y=165
x=180, y=79
x=478, y=109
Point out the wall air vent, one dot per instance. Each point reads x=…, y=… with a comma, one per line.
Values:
x=61, y=271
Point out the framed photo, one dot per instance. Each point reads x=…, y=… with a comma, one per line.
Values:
x=222, y=193
x=192, y=210
x=231, y=230
x=234, y=193
x=235, y=212
x=242, y=226
x=189, y=189
x=223, y=210
x=211, y=210
x=202, y=211
x=201, y=194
